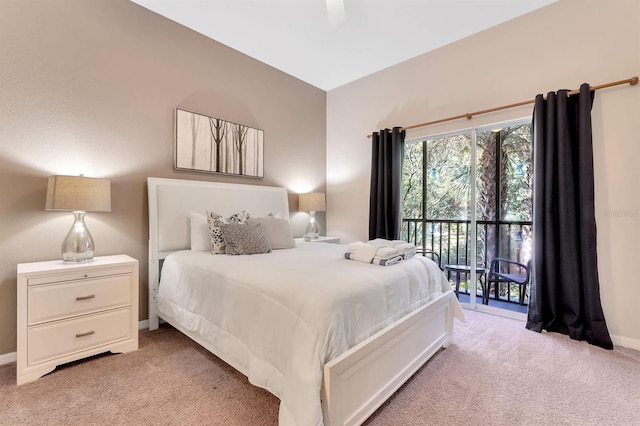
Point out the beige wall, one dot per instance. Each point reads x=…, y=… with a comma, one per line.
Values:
x=559, y=46
x=90, y=86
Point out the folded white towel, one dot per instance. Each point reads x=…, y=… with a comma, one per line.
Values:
x=377, y=260
x=381, y=242
x=388, y=252
x=407, y=250
x=361, y=252
x=386, y=262
x=408, y=255
x=404, y=246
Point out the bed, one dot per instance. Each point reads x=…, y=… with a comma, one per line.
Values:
x=331, y=338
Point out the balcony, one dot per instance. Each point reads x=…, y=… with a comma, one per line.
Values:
x=447, y=242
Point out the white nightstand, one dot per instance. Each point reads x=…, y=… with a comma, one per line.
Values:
x=71, y=311
x=334, y=240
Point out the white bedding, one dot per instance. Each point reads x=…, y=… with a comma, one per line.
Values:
x=281, y=316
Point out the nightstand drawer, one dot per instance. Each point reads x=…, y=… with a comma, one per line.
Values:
x=63, y=300
x=80, y=274
x=49, y=341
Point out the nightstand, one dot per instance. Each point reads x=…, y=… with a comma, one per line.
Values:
x=71, y=311
x=334, y=240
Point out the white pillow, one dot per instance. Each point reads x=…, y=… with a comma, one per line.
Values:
x=200, y=240
x=278, y=231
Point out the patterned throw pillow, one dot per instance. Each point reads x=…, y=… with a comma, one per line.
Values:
x=218, y=245
x=240, y=217
x=245, y=239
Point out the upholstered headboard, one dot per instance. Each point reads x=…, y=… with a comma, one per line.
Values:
x=172, y=200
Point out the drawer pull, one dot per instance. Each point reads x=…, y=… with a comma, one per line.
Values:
x=91, y=296
x=88, y=333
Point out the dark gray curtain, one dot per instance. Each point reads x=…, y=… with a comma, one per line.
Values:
x=385, y=215
x=565, y=291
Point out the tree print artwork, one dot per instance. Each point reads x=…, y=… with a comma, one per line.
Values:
x=208, y=144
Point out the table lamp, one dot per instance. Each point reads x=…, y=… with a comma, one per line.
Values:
x=312, y=202
x=78, y=194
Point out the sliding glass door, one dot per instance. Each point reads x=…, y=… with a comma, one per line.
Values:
x=467, y=202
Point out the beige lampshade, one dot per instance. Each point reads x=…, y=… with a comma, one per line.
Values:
x=312, y=202
x=78, y=193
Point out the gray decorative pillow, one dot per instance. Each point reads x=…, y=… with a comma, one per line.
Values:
x=278, y=231
x=245, y=239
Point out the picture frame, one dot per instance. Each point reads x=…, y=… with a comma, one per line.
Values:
x=212, y=145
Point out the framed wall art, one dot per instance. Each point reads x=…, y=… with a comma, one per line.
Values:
x=212, y=145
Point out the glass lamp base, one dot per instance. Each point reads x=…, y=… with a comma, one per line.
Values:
x=312, y=228
x=77, y=246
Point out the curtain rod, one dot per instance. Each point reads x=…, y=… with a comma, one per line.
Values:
x=632, y=81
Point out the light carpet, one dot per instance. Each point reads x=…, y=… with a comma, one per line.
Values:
x=495, y=373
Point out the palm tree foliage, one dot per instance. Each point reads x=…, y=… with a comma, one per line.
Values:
x=442, y=167
x=445, y=175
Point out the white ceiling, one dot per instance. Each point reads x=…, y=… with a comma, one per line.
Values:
x=302, y=38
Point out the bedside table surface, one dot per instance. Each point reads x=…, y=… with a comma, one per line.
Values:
x=321, y=239
x=53, y=265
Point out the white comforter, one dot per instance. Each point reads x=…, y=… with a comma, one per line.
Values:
x=283, y=315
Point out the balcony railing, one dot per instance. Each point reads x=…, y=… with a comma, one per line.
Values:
x=447, y=241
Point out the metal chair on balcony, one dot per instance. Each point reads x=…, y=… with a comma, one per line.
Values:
x=502, y=271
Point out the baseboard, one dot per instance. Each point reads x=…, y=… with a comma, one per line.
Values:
x=8, y=358
x=625, y=342
x=143, y=325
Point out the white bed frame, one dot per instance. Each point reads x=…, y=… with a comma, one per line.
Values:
x=357, y=382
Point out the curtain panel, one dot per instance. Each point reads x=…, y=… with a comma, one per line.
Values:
x=385, y=202
x=565, y=290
